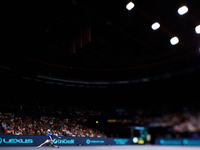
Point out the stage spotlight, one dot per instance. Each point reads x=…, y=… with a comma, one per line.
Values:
x=155, y=26
x=130, y=5
x=182, y=10
x=197, y=29
x=174, y=40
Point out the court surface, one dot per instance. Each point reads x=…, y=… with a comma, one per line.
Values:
x=146, y=147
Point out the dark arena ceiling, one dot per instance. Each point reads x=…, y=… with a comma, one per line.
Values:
x=100, y=42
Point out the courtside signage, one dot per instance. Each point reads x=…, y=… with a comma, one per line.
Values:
x=174, y=141
x=63, y=141
x=16, y=140
x=120, y=141
x=89, y=141
x=32, y=140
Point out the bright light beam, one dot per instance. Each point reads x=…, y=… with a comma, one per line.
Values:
x=155, y=26
x=130, y=5
x=182, y=10
x=197, y=29
x=174, y=40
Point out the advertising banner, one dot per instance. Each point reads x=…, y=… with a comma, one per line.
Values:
x=19, y=140
x=181, y=141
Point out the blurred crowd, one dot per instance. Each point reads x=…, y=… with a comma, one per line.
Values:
x=177, y=120
x=35, y=117
x=180, y=122
x=29, y=125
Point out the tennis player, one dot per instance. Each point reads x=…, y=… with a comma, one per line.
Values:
x=50, y=139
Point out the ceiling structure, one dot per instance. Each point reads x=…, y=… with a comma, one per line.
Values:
x=46, y=41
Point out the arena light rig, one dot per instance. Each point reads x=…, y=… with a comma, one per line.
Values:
x=182, y=10
x=130, y=5
x=197, y=29
x=174, y=40
x=155, y=26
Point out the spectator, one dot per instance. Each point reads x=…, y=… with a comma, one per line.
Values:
x=26, y=125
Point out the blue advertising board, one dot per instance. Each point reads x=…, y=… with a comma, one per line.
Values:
x=23, y=140
x=181, y=141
